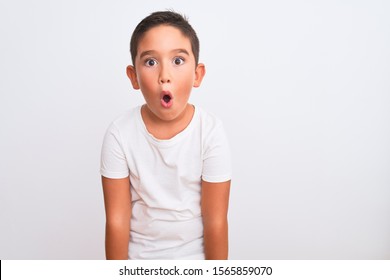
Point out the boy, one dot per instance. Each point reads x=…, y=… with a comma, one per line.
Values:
x=165, y=165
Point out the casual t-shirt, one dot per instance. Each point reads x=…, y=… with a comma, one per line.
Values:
x=165, y=177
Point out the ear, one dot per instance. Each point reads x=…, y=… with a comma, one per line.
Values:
x=132, y=74
x=200, y=71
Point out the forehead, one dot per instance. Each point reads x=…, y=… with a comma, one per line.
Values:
x=163, y=38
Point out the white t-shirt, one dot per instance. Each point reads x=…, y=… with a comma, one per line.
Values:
x=165, y=177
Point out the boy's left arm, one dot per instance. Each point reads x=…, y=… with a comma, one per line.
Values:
x=214, y=204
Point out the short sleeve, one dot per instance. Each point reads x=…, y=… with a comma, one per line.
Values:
x=216, y=156
x=113, y=162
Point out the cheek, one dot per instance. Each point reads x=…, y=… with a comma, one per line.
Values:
x=187, y=78
x=145, y=80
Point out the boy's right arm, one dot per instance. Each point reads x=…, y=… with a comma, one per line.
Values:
x=117, y=201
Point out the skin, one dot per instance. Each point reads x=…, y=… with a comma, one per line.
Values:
x=165, y=62
x=117, y=201
x=173, y=70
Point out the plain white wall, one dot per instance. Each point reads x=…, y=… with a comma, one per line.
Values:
x=303, y=89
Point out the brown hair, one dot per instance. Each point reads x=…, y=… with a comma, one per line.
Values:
x=164, y=18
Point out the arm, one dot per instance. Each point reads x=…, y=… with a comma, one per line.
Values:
x=117, y=201
x=214, y=203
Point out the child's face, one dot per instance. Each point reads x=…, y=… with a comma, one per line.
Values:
x=165, y=71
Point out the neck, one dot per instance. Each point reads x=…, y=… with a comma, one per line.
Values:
x=166, y=129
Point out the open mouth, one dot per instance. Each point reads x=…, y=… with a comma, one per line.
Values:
x=166, y=99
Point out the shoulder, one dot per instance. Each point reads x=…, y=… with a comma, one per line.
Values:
x=212, y=129
x=126, y=118
x=123, y=124
x=125, y=121
x=208, y=121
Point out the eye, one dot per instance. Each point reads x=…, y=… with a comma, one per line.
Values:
x=150, y=62
x=178, y=61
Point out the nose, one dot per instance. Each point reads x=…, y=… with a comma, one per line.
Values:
x=165, y=76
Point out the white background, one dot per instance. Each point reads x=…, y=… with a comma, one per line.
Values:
x=303, y=89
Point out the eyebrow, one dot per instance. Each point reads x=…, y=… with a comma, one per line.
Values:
x=151, y=52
